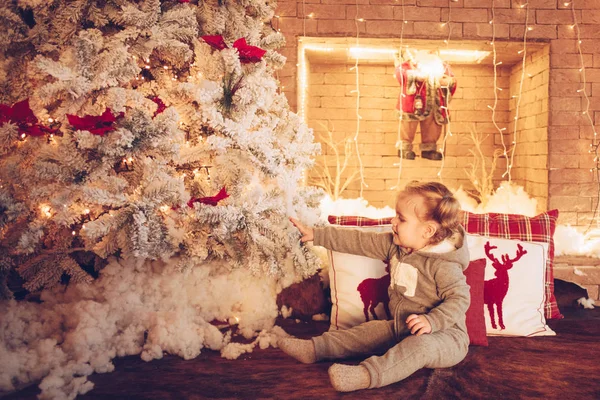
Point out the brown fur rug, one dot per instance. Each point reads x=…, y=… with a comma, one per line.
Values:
x=566, y=366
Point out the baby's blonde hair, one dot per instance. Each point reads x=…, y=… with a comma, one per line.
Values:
x=440, y=206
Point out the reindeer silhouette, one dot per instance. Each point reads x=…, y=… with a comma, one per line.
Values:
x=494, y=290
x=374, y=291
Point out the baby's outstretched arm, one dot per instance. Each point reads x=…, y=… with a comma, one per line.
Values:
x=308, y=234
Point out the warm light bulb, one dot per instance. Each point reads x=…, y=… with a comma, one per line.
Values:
x=86, y=211
x=46, y=210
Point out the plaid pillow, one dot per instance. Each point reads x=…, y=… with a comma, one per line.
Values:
x=532, y=229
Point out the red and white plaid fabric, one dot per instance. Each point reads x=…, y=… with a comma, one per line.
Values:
x=533, y=229
x=352, y=220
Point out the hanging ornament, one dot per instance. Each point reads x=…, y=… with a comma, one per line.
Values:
x=95, y=124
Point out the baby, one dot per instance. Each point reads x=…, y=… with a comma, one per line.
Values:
x=428, y=294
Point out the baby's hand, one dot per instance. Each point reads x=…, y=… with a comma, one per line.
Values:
x=307, y=233
x=418, y=324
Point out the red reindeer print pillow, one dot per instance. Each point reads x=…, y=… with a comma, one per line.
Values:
x=514, y=285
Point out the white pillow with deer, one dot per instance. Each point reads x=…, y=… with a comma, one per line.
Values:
x=514, y=285
x=359, y=286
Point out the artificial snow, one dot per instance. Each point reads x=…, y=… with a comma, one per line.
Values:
x=586, y=303
x=146, y=309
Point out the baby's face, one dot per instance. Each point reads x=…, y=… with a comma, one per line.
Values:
x=409, y=230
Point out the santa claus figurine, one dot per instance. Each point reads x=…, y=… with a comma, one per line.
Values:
x=427, y=85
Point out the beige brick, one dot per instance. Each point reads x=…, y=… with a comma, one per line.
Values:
x=328, y=90
x=432, y=3
x=568, y=175
x=298, y=26
x=341, y=78
x=343, y=1
x=589, y=32
x=537, y=4
x=534, y=32
x=338, y=102
x=374, y=12
x=379, y=28
x=286, y=8
x=570, y=203
x=568, y=89
x=392, y=2
x=337, y=26
x=556, y=17
x=466, y=15
x=565, y=104
x=510, y=16
x=485, y=30
x=321, y=11
x=566, y=118
x=432, y=30
x=565, y=217
x=417, y=14
x=486, y=3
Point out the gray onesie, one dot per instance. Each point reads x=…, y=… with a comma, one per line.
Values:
x=429, y=281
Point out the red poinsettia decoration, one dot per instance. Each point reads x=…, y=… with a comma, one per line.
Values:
x=161, y=106
x=95, y=124
x=215, y=41
x=21, y=115
x=248, y=54
x=211, y=201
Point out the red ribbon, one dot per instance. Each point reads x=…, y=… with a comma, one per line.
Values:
x=211, y=201
x=95, y=124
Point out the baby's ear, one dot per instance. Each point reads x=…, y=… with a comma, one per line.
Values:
x=430, y=229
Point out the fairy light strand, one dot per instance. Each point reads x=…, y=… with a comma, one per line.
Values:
x=363, y=184
x=518, y=105
x=594, y=146
x=446, y=89
x=401, y=111
x=496, y=88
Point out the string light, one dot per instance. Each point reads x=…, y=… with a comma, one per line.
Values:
x=358, y=117
x=401, y=113
x=518, y=104
x=595, y=144
x=446, y=90
x=495, y=64
x=46, y=210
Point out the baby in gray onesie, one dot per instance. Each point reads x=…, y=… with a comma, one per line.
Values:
x=428, y=294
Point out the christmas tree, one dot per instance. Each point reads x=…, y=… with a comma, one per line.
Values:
x=144, y=144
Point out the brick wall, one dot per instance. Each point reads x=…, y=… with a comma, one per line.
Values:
x=530, y=160
x=332, y=106
x=570, y=186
